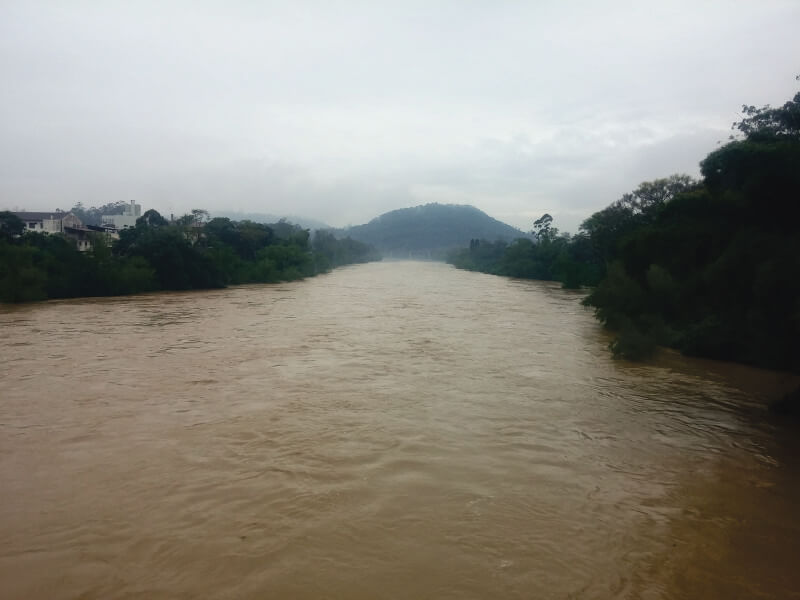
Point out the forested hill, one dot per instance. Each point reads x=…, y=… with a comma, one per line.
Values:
x=429, y=231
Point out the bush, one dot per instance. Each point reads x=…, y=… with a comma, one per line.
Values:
x=631, y=344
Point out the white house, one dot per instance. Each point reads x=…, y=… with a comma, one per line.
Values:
x=48, y=222
x=57, y=222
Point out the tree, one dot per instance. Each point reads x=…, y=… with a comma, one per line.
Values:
x=11, y=225
x=252, y=237
x=21, y=277
x=151, y=218
x=541, y=228
x=761, y=173
x=650, y=196
x=196, y=218
x=200, y=216
x=608, y=228
x=769, y=123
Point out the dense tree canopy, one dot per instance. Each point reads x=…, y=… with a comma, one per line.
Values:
x=189, y=253
x=10, y=225
x=771, y=123
x=709, y=267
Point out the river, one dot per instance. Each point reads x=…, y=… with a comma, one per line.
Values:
x=390, y=430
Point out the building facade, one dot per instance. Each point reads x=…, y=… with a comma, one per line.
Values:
x=130, y=213
x=57, y=222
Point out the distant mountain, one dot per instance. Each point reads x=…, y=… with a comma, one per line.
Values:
x=304, y=222
x=429, y=231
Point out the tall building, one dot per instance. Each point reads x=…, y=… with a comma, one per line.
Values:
x=130, y=213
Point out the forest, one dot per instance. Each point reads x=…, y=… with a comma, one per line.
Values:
x=708, y=267
x=429, y=231
x=190, y=253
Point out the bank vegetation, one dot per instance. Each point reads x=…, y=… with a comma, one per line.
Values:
x=709, y=267
x=189, y=253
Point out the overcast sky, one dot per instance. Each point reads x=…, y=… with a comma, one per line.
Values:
x=341, y=111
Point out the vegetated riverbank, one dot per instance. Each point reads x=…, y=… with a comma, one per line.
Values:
x=766, y=387
x=158, y=255
x=710, y=267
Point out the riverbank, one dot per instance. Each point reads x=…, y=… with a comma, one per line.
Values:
x=767, y=387
x=161, y=255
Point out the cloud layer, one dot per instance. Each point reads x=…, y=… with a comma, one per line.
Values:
x=341, y=111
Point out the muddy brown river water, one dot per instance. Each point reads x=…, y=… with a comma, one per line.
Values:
x=391, y=430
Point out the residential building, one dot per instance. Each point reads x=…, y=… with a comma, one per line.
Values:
x=57, y=222
x=130, y=213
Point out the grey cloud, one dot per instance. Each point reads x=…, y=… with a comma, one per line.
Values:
x=344, y=111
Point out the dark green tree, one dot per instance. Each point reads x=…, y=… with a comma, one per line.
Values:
x=541, y=228
x=151, y=218
x=11, y=226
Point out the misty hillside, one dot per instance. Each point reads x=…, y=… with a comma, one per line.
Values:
x=430, y=230
x=304, y=222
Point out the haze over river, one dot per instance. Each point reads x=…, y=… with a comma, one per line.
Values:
x=390, y=430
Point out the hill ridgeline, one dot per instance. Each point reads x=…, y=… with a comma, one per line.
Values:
x=429, y=231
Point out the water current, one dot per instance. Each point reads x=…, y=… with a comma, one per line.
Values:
x=391, y=430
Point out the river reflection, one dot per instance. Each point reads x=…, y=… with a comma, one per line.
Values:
x=389, y=430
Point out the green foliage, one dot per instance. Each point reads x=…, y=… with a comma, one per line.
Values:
x=11, y=225
x=631, y=343
x=608, y=228
x=151, y=218
x=330, y=252
x=716, y=271
x=711, y=268
x=482, y=255
x=129, y=276
x=617, y=298
x=579, y=260
x=21, y=279
x=542, y=228
x=771, y=123
x=550, y=258
x=158, y=255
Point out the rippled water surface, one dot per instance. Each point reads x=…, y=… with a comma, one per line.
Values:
x=395, y=430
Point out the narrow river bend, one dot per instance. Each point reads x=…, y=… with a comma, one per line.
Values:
x=391, y=430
